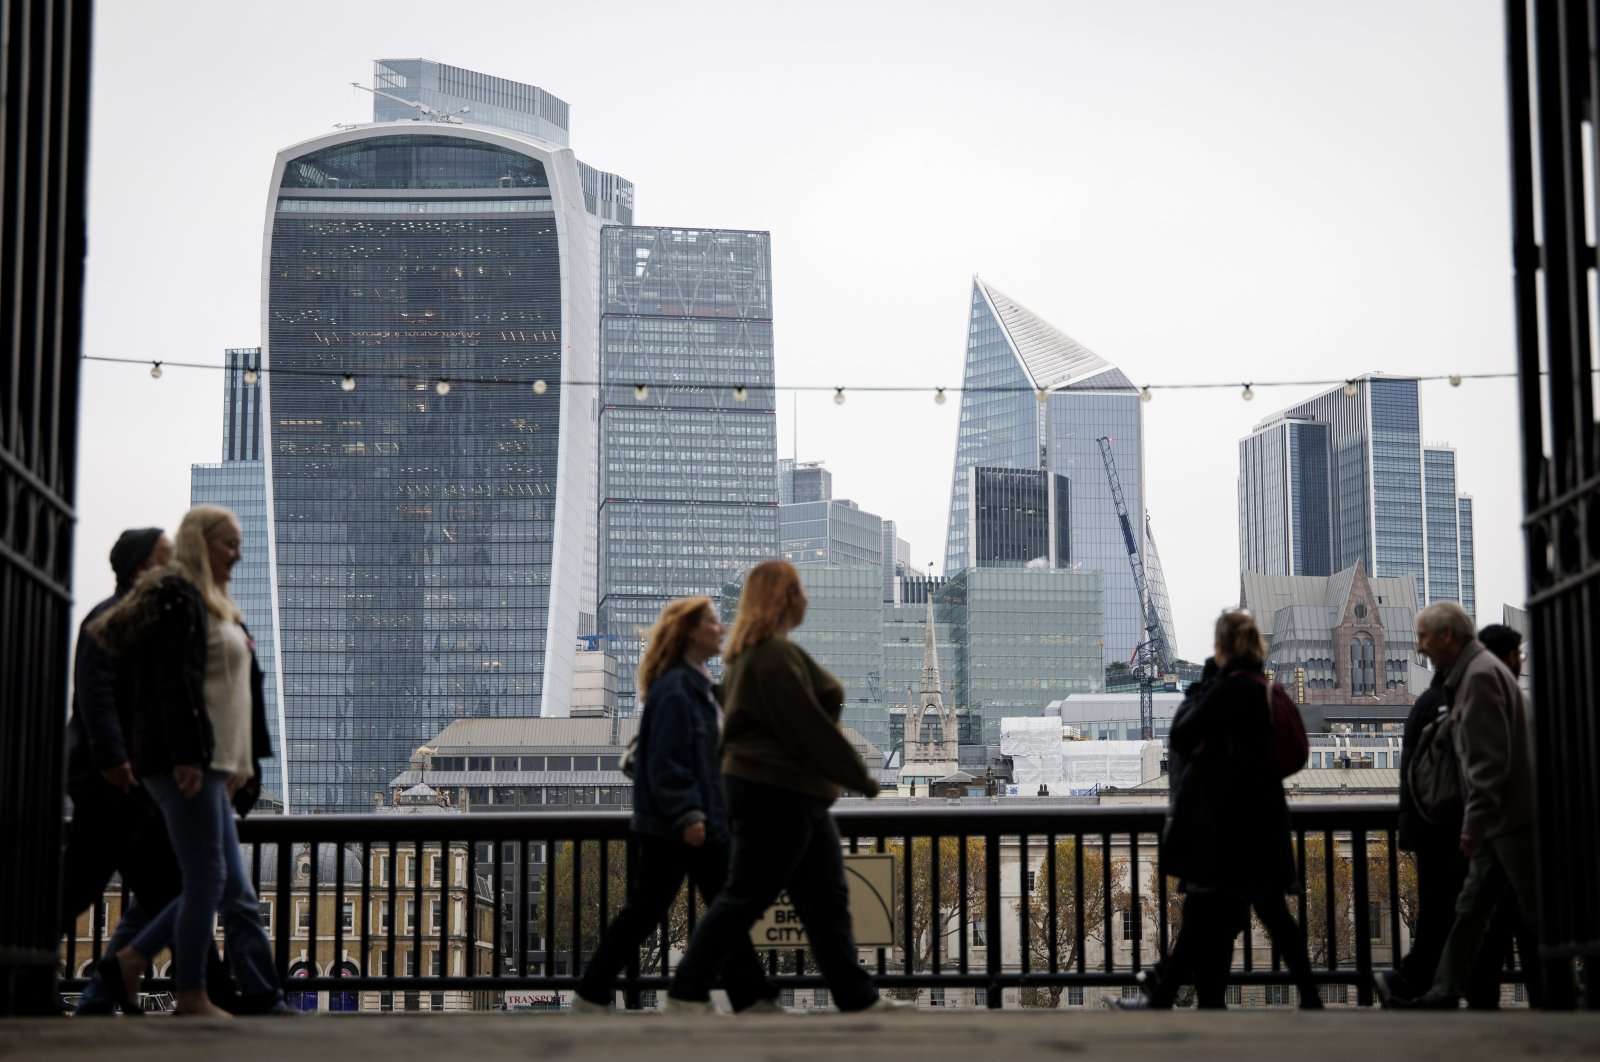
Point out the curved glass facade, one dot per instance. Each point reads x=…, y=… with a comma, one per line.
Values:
x=415, y=161
x=414, y=530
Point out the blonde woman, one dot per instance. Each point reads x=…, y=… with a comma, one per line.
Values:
x=199, y=730
x=785, y=761
x=679, y=816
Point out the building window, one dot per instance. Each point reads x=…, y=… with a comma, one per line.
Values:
x=1233, y=995
x=410, y=918
x=980, y=934
x=935, y=997
x=1375, y=920
x=1033, y=878
x=302, y=917
x=1074, y=995
x=383, y=916
x=819, y=997
x=435, y=915
x=1130, y=925
x=265, y=907
x=1278, y=995
x=438, y=870
x=347, y=916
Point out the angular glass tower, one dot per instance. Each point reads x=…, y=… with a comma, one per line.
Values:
x=239, y=483
x=1019, y=357
x=428, y=544
x=1343, y=478
x=688, y=468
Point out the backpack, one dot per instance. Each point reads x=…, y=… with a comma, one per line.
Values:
x=1433, y=775
x=1287, y=746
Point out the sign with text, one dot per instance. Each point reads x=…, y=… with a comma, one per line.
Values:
x=870, y=877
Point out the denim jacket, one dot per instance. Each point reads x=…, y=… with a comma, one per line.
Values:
x=677, y=780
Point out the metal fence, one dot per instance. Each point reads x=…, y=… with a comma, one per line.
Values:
x=1039, y=900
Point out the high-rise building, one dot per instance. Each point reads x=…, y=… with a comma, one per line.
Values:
x=687, y=497
x=810, y=481
x=239, y=483
x=1469, y=576
x=832, y=533
x=1035, y=398
x=1018, y=517
x=431, y=519
x=1345, y=477
x=896, y=558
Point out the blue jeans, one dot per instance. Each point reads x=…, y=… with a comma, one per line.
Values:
x=206, y=841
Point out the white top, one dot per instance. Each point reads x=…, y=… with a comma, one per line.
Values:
x=228, y=696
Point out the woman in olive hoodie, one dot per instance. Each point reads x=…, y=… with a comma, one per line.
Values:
x=785, y=760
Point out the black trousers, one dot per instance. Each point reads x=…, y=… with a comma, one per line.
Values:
x=653, y=885
x=112, y=833
x=782, y=840
x=1441, y=868
x=1272, y=909
x=1203, y=952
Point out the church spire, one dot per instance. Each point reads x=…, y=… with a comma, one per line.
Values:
x=930, y=659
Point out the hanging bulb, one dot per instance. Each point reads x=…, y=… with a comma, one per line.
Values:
x=838, y=396
x=348, y=383
x=1455, y=379
x=640, y=392
x=1248, y=395
x=540, y=387
x=443, y=387
x=1144, y=393
x=250, y=377
x=938, y=396
x=155, y=370
x=1042, y=395
x=1349, y=388
x=740, y=394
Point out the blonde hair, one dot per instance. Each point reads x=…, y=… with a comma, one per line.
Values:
x=191, y=559
x=668, y=637
x=1239, y=636
x=764, y=606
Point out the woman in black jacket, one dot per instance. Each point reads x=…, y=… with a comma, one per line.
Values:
x=199, y=732
x=1227, y=833
x=679, y=820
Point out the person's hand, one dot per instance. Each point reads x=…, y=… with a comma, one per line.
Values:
x=1470, y=845
x=694, y=834
x=122, y=777
x=235, y=783
x=189, y=777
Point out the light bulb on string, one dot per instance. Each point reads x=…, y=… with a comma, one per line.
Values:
x=155, y=370
x=938, y=396
x=1455, y=379
x=740, y=394
x=1042, y=395
x=838, y=396
x=1144, y=393
x=1349, y=388
x=250, y=377
x=640, y=392
x=348, y=383
x=1248, y=394
x=540, y=387
x=443, y=387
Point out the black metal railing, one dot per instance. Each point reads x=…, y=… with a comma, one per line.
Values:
x=1038, y=901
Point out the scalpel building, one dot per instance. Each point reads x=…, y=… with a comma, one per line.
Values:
x=427, y=288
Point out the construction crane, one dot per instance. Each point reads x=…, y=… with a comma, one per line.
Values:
x=1153, y=653
x=425, y=113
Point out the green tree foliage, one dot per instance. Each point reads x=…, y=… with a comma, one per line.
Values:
x=935, y=907
x=559, y=891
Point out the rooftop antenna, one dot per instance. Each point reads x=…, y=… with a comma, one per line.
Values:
x=425, y=113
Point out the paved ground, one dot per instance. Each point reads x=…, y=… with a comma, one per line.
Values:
x=919, y=1036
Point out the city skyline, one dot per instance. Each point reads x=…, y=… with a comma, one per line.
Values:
x=1265, y=270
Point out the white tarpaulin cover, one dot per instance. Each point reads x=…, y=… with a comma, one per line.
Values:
x=1095, y=765
x=1034, y=746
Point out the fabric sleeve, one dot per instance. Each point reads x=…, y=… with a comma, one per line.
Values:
x=95, y=674
x=670, y=762
x=1483, y=742
x=805, y=727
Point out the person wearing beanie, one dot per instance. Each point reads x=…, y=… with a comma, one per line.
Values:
x=115, y=827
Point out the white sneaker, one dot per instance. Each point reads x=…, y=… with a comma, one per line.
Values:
x=584, y=1006
x=765, y=1006
x=674, y=1005
x=884, y=1003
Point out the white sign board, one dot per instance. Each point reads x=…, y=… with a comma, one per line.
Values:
x=870, y=877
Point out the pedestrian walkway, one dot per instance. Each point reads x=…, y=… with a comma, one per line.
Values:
x=924, y=1035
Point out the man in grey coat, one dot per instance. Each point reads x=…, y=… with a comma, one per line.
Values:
x=1493, y=747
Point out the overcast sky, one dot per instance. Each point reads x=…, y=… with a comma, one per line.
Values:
x=1197, y=191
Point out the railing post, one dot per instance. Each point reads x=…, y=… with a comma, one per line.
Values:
x=1363, y=912
x=991, y=917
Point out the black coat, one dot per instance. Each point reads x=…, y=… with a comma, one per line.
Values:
x=1228, y=822
x=102, y=707
x=1415, y=832
x=165, y=655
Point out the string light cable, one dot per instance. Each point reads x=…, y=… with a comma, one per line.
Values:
x=739, y=392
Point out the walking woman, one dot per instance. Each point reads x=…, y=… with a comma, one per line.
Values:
x=680, y=821
x=1227, y=834
x=199, y=730
x=785, y=761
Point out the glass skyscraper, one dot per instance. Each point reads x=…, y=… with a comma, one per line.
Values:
x=239, y=483
x=1346, y=477
x=834, y=532
x=688, y=465
x=1035, y=398
x=1018, y=517
x=430, y=287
